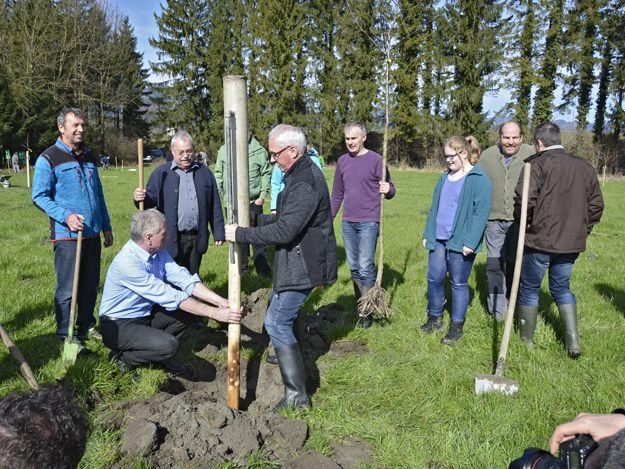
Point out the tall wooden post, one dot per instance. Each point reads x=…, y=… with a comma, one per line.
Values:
x=140, y=166
x=28, y=168
x=28, y=160
x=235, y=113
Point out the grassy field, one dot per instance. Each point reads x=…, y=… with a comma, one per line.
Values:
x=411, y=398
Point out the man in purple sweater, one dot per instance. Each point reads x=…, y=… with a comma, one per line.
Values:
x=358, y=183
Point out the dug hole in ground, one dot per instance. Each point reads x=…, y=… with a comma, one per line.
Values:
x=189, y=424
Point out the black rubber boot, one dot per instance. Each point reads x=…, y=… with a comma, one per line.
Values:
x=526, y=317
x=434, y=323
x=568, y=314
x=294, y=378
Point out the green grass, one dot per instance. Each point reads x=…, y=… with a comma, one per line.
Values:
x=411, y=398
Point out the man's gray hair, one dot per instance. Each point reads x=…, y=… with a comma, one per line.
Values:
x=548, y=133
x=356, y=125
x=286, y=135
x=146, y=222
x=60, y=119
x=180, y=135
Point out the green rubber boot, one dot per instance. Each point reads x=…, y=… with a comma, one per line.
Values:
x=526, y=317
x=568, y=314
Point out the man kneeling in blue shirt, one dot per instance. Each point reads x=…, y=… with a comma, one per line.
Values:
x=137, y=313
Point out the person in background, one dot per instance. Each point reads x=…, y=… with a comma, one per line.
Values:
x=502, y=163
x=185, y=190
x=277, y=176
x=357, y=185
x=15, y=161
x=564, y=205
x=67, y=187
x=453, y=233
x=106, y=162
x=259, y=187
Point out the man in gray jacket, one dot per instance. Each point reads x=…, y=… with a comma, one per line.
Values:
x=502, y=163
x=305, y=258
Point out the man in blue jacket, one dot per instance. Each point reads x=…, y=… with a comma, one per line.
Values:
x=185, y=191
x=66, y=186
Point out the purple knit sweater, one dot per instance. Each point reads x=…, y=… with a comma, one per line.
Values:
x=357, y=183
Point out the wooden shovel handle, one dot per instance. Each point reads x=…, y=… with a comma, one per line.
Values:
x=72, y=306
x=517, y=272
x=24, y=367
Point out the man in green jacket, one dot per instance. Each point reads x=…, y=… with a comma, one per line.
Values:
x=259, y=187
x=503, y=164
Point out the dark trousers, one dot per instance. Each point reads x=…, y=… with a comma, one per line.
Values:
x=258, y=249
x=150, y=339
x=88, y=280
x=188, y=255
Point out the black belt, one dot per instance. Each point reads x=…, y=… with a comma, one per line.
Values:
x=108, y=318
x=188, y=232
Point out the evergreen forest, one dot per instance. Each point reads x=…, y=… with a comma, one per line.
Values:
x=316, y=64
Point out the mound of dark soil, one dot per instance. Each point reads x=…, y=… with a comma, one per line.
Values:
x=190, y=425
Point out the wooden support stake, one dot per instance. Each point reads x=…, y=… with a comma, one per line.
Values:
x=235, y=111
x=140, y=166
x=28, y=168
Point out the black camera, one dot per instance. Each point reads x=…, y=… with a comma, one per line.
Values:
x=573, y=455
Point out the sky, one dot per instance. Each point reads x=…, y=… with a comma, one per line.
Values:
x=141, y=15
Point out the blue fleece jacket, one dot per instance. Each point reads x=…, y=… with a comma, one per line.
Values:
x=65, y=183
x=471, y=215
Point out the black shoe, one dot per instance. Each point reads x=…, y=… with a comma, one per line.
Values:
x=454, y=334
x=174, y=368
x=272, y=360
x=119, y=361
x=82, y=350
x=364, y=322
x=262, y=267
x=433, y=324
x=92, y=333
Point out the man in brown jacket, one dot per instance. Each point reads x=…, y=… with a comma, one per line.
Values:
x=564, y=204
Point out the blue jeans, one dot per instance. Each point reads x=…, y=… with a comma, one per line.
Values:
x=441, y=261
x=281, y=314
x=88, y=280
x=360, y=239
x=560, y=266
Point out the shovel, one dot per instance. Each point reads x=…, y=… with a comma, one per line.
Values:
x=71, y=348
x=497, y=382
x=25, y=369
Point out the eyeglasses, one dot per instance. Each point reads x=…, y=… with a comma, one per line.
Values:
x=275, y=155
x=451, y=157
